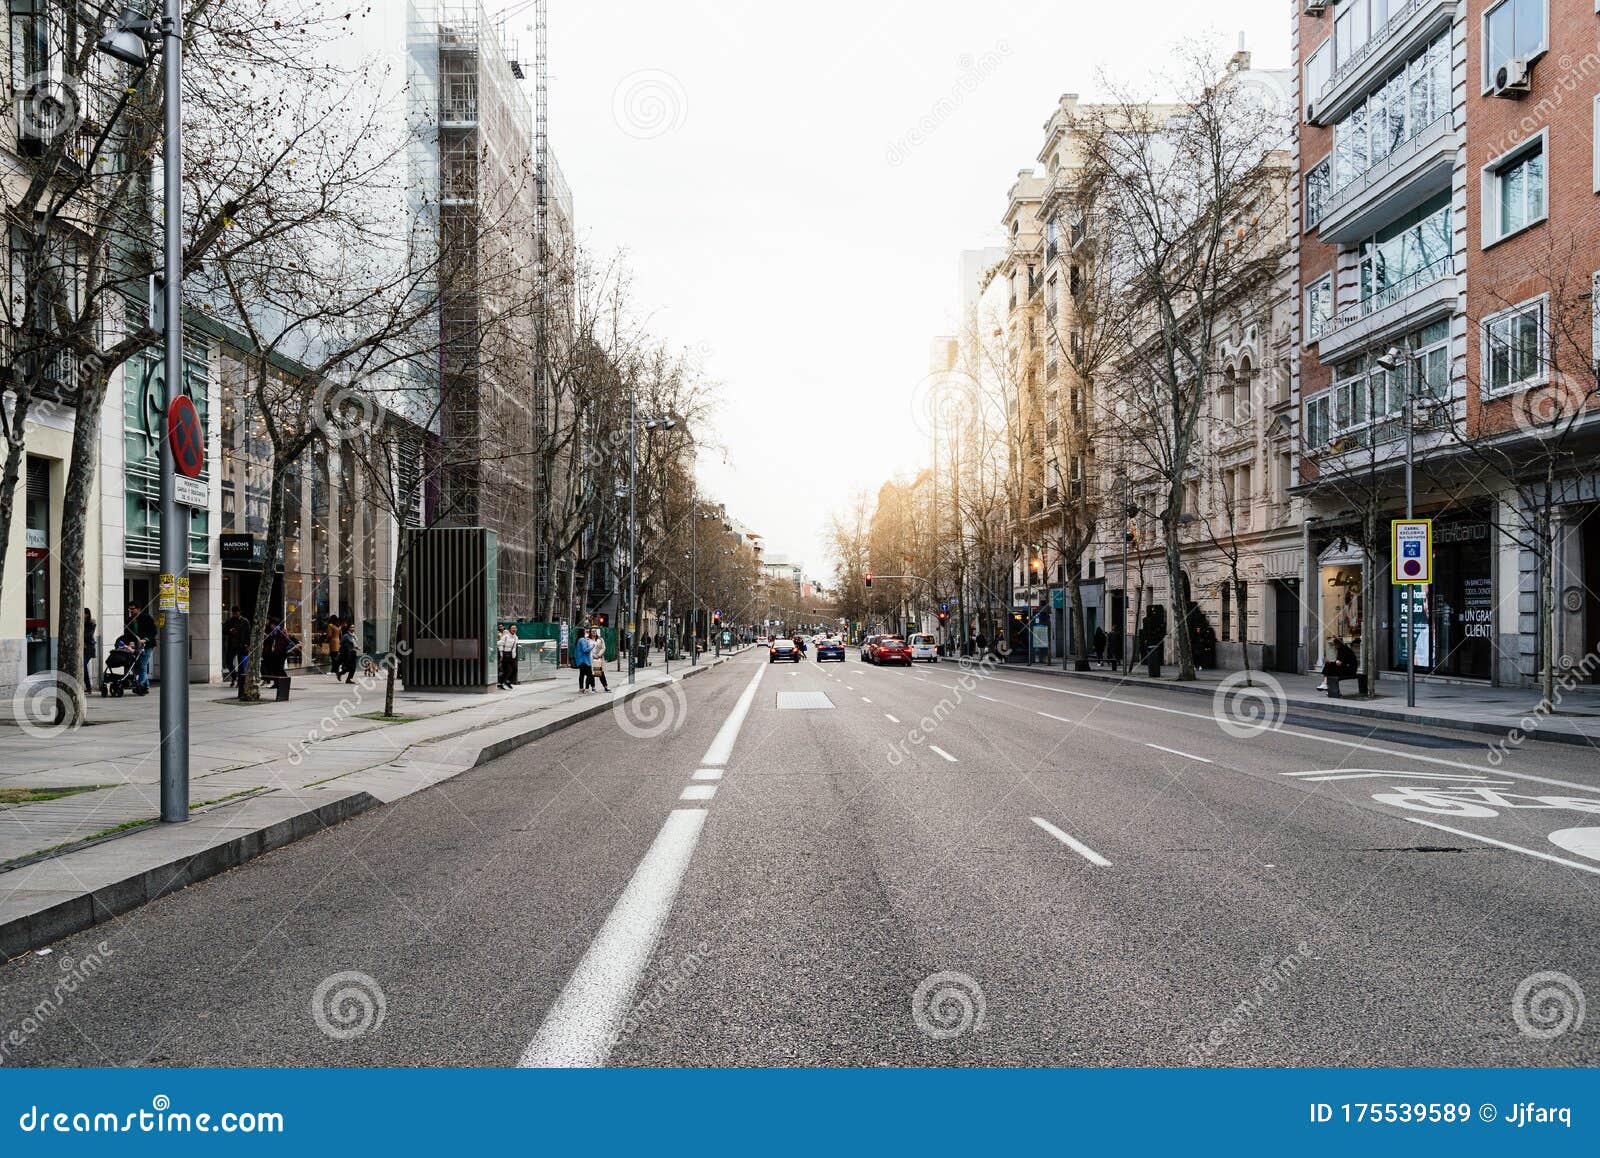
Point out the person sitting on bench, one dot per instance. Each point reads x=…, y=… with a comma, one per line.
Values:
x=1342, y=666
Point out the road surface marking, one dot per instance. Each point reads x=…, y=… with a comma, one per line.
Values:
x=991, y=699
x=722, y=747
x=865, y=700
x=942, y=752
x=1075, y=845
x=1175, y=752
x=1588, y=868
x=1417, y=756
x=578, y=1029
x=1063, y=719
x=698, y=792
x=707, y=774
x=890, y=718
x=848, y=688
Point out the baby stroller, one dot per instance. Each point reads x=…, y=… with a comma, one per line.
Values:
x=117, y=674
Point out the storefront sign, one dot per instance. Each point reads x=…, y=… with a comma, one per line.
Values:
x=237, y=548
x=1413, y=551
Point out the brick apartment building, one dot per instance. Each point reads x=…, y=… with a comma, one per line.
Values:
x=1448, y=207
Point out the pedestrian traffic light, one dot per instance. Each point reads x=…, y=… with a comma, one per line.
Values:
x=869, y=580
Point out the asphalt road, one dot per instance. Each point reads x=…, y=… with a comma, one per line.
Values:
x=887, y=867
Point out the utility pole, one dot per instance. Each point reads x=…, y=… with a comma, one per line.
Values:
x=694, y=576
x=633, y=557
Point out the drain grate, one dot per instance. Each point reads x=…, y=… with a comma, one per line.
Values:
x=803, y=701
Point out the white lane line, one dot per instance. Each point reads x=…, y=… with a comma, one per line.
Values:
x=942, y=752
x=578, y=1029
x=1074, y=844
x=722, y=747
x=1588, y=868
x=1063, y=719
x=698, y=792
x=707, y=774
x=890, y=718
x=1175, y=752
x=991, y=699
x=1404, y=755
x=848, y=688
x=865, y=700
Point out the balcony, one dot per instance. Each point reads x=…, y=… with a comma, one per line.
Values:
x=1408, y=29
x=1427, y=294
x=1416, y=170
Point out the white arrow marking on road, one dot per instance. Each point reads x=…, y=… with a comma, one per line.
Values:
x=942, y=752
x=1175, y=752
x=1075, y=845
x=579, y=1027
x=1588, y=868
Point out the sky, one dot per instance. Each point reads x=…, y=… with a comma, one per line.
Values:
x=793, y=186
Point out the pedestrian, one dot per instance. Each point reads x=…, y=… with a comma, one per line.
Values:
x=349, y=654
x=1099, y=642
x=142, y=626
x=91, y=645
x=580, y=656
x=333, y=645
x=235, y=640
x=1342, y=666
x=277, y=646
x=597, y=660
x=507, y=646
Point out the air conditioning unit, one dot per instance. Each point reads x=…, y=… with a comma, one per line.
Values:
x=1513, y=78
x=1316, y=7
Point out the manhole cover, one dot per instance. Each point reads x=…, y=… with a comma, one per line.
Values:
x=803, y=700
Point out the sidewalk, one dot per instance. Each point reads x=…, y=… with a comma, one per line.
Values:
x=261, y=776
x=1471, y=707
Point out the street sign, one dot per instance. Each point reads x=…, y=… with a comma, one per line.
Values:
x=1412, y=560
x=191, y=492
x=186, y=436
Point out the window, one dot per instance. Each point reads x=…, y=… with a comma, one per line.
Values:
x=1512, y=30
x=1514, y=191
x=1319, y=307
x=1316, y=430
x=1596, y=136
x=1407, y=254
x=1227, y=613
x=1319, y=71
x=1513, y=347
x=1410, y=101
x=1320, y=175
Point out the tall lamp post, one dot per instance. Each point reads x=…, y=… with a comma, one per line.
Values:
x=633, y=518
x=135, y=40
x=1390, y=361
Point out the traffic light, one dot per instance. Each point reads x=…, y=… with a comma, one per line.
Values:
x=869, y=581
x=600, y=620
x=943, y=615
x=716, y=618
x=1035, y=563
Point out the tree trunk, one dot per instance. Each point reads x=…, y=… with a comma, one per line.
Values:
x=1369, y=602
x=16, y=453
x=1180, y=605
x=402, y=551
x=1079, y=625
x=74, y=707
x=1242, y=603
x=1547, y=594
x=277, y=507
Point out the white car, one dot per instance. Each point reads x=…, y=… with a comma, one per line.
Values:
x=924, y=647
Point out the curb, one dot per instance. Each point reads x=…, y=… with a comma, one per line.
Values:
x=35, y=930
x=1337, y=707
x=94, y=908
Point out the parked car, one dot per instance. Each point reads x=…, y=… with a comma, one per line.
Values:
x=925, y=647
x=891, y=649
x=782, y=649
x=830, y=649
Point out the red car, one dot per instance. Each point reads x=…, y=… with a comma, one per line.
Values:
x=890, y=649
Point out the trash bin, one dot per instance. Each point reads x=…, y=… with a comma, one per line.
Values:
x=1152, y=660
x=281, y=686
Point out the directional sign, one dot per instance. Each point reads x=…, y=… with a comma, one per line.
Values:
x=185, y=434
x=1413, y=551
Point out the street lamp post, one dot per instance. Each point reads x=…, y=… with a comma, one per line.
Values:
x=1390, y=361
x=134, y=40
x=633, y=522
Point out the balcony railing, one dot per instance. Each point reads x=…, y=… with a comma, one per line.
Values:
x=1374, y=42
x=1391, y=294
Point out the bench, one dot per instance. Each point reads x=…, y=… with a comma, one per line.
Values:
x=1333, y=684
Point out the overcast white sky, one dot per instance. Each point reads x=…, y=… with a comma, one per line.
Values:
x=755, y=161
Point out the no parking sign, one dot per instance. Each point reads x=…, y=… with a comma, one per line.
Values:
x=1413, y=551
